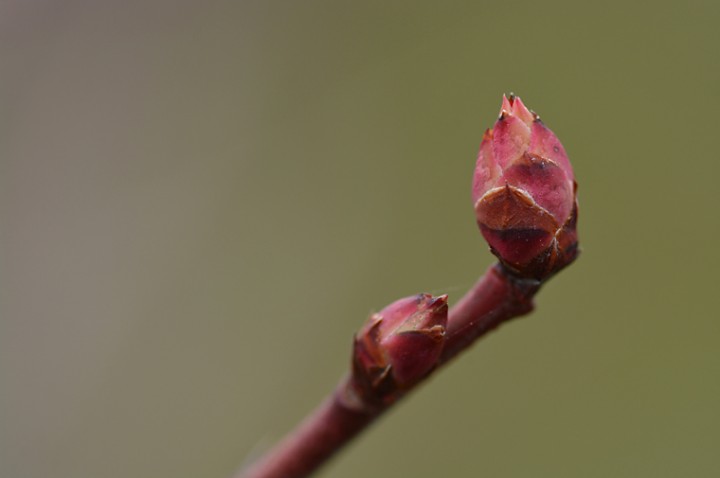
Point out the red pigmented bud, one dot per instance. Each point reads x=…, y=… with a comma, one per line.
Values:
x=399, y=346
x=524, y=194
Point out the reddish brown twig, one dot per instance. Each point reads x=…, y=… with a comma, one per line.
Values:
x=495, y=298
x=325, y=431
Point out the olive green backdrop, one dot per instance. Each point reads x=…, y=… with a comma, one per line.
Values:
x=201, y=201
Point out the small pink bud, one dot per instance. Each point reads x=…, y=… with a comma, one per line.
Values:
x=524, y=194
x=399, y=345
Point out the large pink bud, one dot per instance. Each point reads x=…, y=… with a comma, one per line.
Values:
x=399, y=345
x=524, y=194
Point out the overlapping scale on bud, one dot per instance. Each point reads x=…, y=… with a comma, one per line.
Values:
x=524, y=193
x=398, y=346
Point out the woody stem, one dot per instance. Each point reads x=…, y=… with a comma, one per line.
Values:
x=497, y=297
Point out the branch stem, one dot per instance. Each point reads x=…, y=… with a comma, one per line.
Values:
x=496, y=297
x=322, y=433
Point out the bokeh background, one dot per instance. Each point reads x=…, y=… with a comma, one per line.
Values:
x=200, y=201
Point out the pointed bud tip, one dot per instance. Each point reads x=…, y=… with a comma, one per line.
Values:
x=521, y=111
x=439, y=310
x=506, y=108
x=436, y=302
x=512, y=105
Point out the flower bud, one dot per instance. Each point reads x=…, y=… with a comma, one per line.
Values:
x=399, y=345
x=524, y=194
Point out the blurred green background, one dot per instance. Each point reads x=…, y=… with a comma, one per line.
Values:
x=201, y=201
